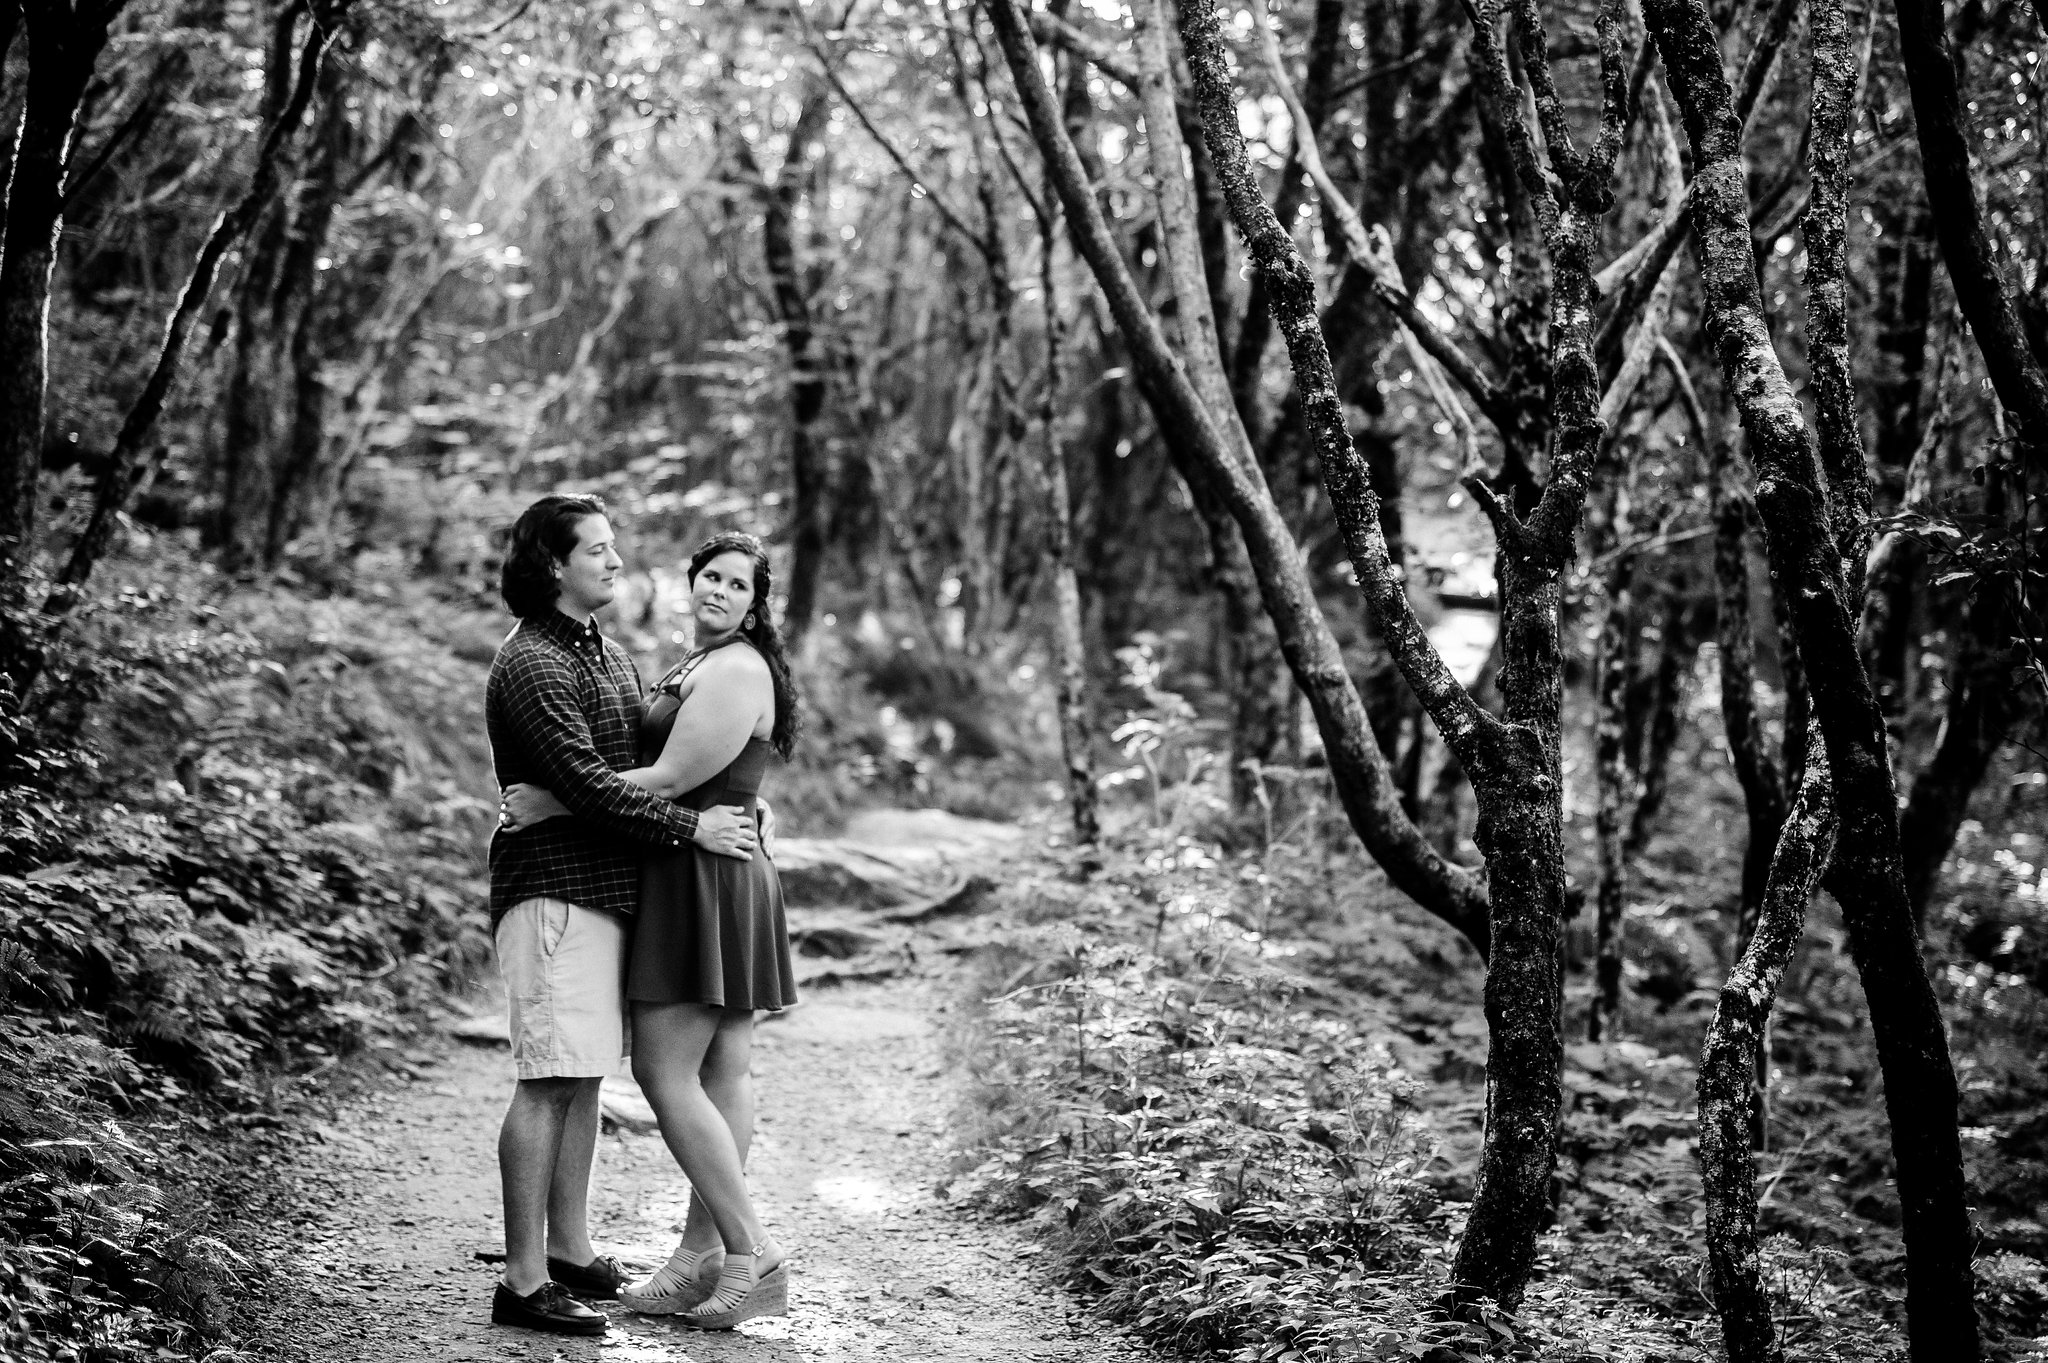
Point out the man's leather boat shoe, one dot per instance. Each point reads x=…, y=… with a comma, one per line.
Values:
x=550, y=1309
x=598, y=1280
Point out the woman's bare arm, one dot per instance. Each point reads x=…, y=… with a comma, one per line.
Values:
x=732, y=693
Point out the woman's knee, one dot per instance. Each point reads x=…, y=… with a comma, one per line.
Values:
x=730, y=1057
x=653, y=1072
x=727, y=1081
x=671, y=1029
x=646, y=1073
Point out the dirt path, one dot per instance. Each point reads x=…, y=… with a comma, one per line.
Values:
x=398, y=1193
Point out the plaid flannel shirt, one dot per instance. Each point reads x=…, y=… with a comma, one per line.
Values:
x=563, y=710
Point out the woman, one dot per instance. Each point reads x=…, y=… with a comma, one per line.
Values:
x=710, y=944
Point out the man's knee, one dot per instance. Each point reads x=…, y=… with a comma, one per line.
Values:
x=550, y=1095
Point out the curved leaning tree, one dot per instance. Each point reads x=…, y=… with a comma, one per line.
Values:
x=1549, y=397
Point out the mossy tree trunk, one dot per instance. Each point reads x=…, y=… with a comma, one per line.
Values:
x=1809, y=523
x=64, y=42
x=1730, y=1094
x=1513, y=762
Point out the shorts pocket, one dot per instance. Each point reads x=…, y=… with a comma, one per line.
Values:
x=554, y=924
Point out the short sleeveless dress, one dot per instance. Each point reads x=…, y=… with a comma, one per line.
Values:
x=710, y=929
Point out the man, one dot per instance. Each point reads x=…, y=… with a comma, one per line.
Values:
x=563, y=709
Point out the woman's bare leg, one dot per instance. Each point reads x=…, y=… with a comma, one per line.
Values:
x=671, y=1042
x=728, y=1080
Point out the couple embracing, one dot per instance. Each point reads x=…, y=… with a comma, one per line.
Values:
x=629, y=871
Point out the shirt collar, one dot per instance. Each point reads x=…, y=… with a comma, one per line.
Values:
x=555, y=625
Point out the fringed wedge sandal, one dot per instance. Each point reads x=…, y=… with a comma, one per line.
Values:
x=740, y=1295
x=686, y=1280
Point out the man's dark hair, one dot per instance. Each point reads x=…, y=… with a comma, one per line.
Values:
x=542, y=537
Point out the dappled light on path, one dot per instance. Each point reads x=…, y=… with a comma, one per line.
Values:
x=861, y=1197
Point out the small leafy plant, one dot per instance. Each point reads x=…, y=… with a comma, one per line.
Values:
x=1225, y=1170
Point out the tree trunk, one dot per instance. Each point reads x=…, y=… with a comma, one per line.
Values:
x=972, y=442
x=1514, y=765
x=1805, y=552
x=1907, y=407
x=1613, y=669
x=1981, y=293
x=1621, y=703
x=1252, y=670
x=1735, y=1053
x=1986, y=706
x=810, y=461
x=1763, y=790
x=1678, y=646
x=256, y=413
x=10, y=117
x=1069, y=646
x=1897, y=559
x=1520, y=833
x=63, y=44
x=296, y=463
x=1252, y=667
x=1247, y=360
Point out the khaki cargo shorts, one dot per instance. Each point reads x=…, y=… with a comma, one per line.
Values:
x=565, y=975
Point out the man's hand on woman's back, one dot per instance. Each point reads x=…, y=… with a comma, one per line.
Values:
x=729, y=831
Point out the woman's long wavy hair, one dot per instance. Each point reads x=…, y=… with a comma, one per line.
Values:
x=542, y=538
x=766, y=639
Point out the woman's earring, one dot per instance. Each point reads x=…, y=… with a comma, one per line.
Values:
x=747, y=623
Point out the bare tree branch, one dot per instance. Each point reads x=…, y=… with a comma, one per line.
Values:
x=828, y=67
x=1050, y=28
x=1430, y=346
x=1835, y=72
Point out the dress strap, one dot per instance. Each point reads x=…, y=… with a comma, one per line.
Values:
x=674, y=676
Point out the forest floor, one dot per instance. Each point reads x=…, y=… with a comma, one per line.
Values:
x=374, y=1219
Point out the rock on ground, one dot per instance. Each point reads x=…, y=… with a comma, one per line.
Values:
x=890, y=858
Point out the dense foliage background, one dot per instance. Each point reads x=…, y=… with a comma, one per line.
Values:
x=302, y=301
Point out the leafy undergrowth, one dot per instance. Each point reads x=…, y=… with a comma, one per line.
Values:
x=240, y=842
x=1229, y=1136
x=1241, y=1097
